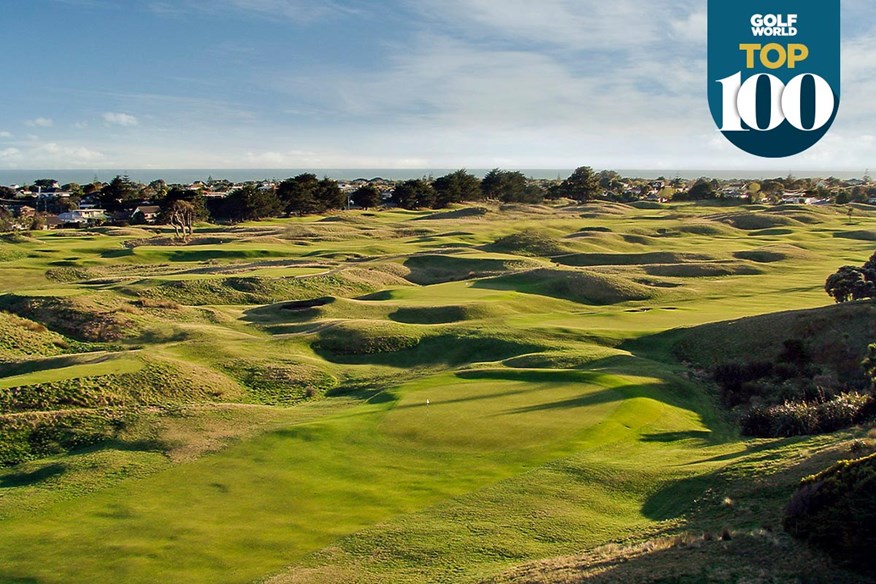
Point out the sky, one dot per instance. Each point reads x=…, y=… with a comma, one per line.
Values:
x=386, y=84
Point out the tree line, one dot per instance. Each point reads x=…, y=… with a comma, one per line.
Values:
x=306, y=194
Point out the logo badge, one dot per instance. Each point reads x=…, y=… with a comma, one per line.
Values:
x=774, y=72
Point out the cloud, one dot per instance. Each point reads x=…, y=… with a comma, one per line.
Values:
x=51, y=155
x=119, y=119
x=41, y=122
x=74, y=154
x=694, y=28
x=594, y=25
x=5, y=134
x=297, y=11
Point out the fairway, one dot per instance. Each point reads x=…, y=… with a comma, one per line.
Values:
x=382, y=398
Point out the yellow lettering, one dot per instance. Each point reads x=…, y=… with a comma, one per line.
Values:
x=779, y=50
x=796, y=54
x=749, y=49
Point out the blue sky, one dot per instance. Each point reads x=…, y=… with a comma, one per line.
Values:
x=391, y=84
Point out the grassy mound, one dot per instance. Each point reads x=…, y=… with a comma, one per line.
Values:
x=447, y=314
x=398, y=345
x=705, y=228
x=280, y=384
x=630, y=259
x=774, y=253
x=51, y=417
x=30, y=436
x=367, y=338
x=528, y=243
x=86, y=318
x=560, y=359
x=583, y=287
x=464, y=213
x=264, y=290
x=697, y=270
x=836, y=336
x=756, y=221
x=21, y=338
x=155, y=382
x=10, y=253
x=70, y=274
x=436, y=269
x=859, y=235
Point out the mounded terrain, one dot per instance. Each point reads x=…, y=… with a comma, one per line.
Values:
x=479, y=394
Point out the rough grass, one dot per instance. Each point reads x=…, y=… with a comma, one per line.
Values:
x=749, y=221
x=774, y=253
x=21, y=338
x=529, y=243
x=435, y=269
x=583, y=287
x=86, y=318
x=368, y=337
x=260, y=290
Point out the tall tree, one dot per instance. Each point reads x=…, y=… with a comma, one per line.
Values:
x=329, y=195
x=367, y=196
x=505, y=185
x=6, y=220
x=582, y=185
x=298, y=194
x=456, y=187
x=191, y=196
x=414, y=194
x=120, y=193
x=251, y=203
x=73, y=188
x=181, y=215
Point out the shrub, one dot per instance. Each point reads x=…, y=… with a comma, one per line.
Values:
x=807, y=417
x=836, y=510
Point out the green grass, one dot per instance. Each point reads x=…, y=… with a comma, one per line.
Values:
x=91, y=367
x=471, y=391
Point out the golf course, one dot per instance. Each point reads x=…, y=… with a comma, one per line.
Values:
x=487, y=393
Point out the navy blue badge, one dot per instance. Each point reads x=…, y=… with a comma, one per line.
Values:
x=774, y=72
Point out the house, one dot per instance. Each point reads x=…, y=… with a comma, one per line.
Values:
x=146, y=213
x=83, y=216
x=52, y=222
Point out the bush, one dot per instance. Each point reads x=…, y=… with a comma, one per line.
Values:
x=836, y=511
x=804, y=417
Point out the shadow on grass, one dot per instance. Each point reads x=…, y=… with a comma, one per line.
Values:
x=667, y=437
x=23, y=478
x=450, y=350
x=12, y=369
x=11, y=579
x=587, y=400
x=437, y=269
